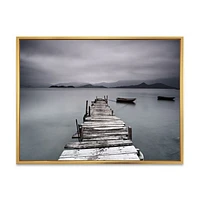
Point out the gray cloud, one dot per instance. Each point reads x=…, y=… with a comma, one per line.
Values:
x=54, y=61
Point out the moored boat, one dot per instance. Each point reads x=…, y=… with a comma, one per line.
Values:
x=125, y=100
x=166, y=98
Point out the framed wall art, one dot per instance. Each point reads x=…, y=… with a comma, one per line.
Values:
x=99, y=100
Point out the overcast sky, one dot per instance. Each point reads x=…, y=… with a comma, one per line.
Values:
x=62, y=61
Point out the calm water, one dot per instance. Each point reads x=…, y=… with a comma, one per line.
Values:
x=47, y=120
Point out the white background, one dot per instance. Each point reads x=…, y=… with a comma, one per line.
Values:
x=133, y=18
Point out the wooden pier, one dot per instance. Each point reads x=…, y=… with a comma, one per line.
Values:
x=101, y=136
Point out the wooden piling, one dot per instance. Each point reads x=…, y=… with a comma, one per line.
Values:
x=130, y=133
x=89, y=112
x=77, y=128
x=81, y=134
x=76, y=124
x=86, y=108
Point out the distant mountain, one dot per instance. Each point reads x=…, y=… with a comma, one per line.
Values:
x=173, y=82
x=150, y=86
x=91, y=86
x=118, y=83
x=75, y=84
x=61, y=86
x=82, y=86
x=141, y=85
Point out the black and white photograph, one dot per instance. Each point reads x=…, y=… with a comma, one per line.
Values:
x=100, y=99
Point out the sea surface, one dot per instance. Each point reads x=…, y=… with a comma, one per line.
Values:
x=47, y=120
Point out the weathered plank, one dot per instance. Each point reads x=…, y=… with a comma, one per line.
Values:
x=102, y=117
x=92, y=131
x=100, y=109
x=112, y=137
x=97, y=144
x=103, y=122
x=98, y=151
x=99, y=106
x=106, y=157
x=110, y=128
x=101, y=113
x=102, y=125
x=78, y=152
x=89, y=135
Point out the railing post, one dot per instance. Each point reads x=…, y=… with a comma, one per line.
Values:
x=89, y=111
x=84, y=117
x=77, y=128
x=130, y=133
x=107, y=99
x=81, y=134
x=86, y=107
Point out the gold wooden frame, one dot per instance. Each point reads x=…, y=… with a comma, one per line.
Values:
x=18, y=161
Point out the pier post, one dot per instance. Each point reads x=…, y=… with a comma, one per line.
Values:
x=81, y=134
x=130, y=133
x=106, y=99
x=86, y=108
x=89, y=111
x=84, y=118
x=77, y=128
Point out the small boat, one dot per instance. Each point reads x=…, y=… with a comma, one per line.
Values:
x=126, y=100
x=166, y=98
